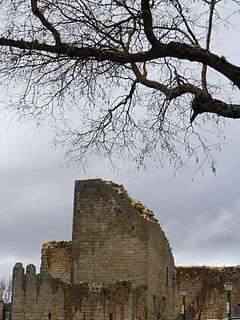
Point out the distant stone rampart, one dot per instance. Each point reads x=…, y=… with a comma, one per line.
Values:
x=206, y=297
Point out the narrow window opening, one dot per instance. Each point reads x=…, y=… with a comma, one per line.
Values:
x=49, y=315
x=110, y=316
x=166, y=280
x=104, y=292
x=132, y=228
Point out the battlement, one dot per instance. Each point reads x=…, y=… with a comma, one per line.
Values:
x=25, y=274
x=38, y=294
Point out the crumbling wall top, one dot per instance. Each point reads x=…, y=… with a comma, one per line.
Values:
x=118, y=189
x=56, y=244
x=56, y=259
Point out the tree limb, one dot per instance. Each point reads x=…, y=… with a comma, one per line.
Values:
x=147, y=22
x=173, y=49
x=149, y=83
x=179, y=8
x=202, y=104
x=170, y=93
x=37, y=12
x=208, y=40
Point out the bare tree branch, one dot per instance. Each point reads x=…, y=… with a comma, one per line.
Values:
x=147, y=21
x=135, y=71
x=208, y=39
x=37, y=12
x=203, y=104
x=174, y=50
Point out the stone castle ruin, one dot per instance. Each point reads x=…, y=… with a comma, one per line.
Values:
x=118, y=266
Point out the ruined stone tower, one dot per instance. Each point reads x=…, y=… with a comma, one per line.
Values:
x=118, y=267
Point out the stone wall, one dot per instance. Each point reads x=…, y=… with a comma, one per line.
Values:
x=207, y=298
x=161, y=274
x=116, y=238
x=38, y=296
x=109, y=240
x=55, y=259
x=116, y=301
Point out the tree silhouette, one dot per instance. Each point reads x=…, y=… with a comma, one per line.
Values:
x=138, y=72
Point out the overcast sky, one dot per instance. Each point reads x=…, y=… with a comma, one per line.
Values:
x=200, y=214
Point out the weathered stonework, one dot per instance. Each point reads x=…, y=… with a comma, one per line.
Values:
x=38, y=296
x=206, y=298
x=55, y=260
x=118, y=266
x=1, y=307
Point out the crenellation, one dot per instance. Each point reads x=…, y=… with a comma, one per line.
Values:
x=36, y=295
x=18, y=270
x=30, y=270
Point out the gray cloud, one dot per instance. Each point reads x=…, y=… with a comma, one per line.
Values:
x=200, y=216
